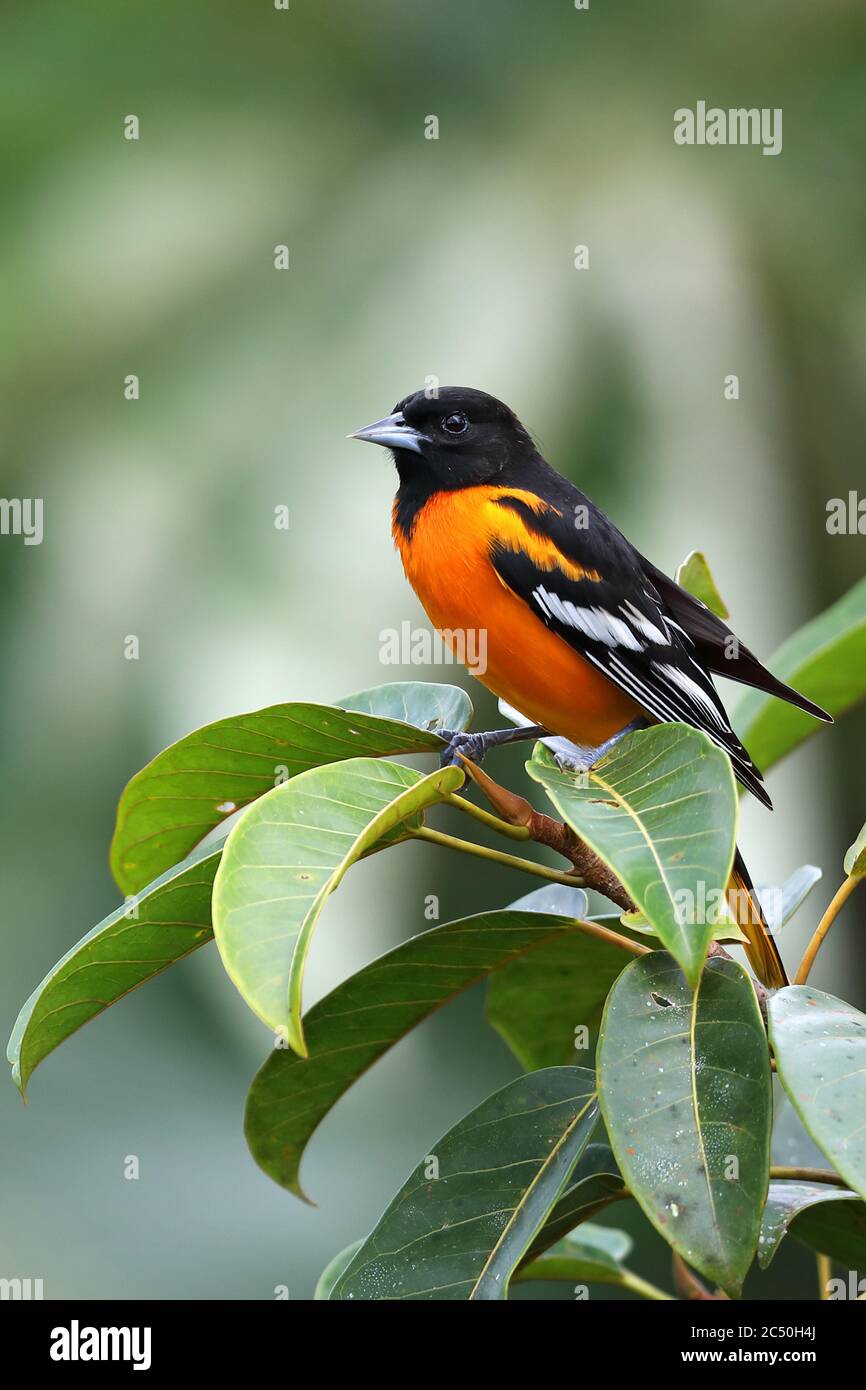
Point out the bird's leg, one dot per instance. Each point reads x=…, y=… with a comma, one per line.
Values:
x=474, y=746
x=590, y=756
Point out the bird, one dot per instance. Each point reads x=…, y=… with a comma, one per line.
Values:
x=584, y=635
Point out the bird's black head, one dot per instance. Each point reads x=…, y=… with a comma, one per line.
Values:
x=451, y=438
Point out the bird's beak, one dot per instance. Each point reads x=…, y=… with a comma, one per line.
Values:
x=393, y=432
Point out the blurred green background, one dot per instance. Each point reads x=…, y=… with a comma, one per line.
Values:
x=409, y=258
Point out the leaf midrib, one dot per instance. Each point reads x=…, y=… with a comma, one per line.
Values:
x=566, y=1134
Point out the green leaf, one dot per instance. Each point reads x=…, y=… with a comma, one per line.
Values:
x=287, y=854
x=855, y=859
x=422, y=704
x=366, y=1015
x=195, y=784
x=780, y=903
x=595, y=1183
x=557, y=898
x=694, y=575
x=684, y=1083
x=835, y=1229
x=661, y=811
x=786, y=1201
x=825, y=661
x=820, y=1047
x=461, y=1234
x=537, y=1001
x=606, y=1241
x=725, y=929
x=132, y=944
x=595, y=1256
x=332, y=1271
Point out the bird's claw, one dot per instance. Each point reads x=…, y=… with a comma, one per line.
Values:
x=567, y=762
x=582, y=760
x=462, y=745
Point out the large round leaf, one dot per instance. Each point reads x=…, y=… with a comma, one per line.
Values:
x=820, y=1047
x=424, y=705
x=661, y=811
x=539, y=1000
x=139, y=939
x=537, y=1004
x=353, y=1026
x=198, y=782
x=464, y=1219
x=685, y=1089
x=287, y=854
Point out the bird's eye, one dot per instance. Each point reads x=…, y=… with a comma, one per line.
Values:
x=456, y=423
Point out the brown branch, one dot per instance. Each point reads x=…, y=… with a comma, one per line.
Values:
x=545, y=830
x=689, y=1286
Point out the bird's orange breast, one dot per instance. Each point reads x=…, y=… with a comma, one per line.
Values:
x=447, y=561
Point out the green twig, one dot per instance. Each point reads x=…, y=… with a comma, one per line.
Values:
x=825, y=1274
x=514, y=832
x=808, y=1175
x=644, y=1288
x=842, y=895
x=564, y=1269
x=498, y=856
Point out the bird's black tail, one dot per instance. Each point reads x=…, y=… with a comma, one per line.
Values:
x=723, y=653
x=748, y=670
x=762, y=951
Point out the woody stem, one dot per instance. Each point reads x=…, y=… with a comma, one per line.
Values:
x=840, y=898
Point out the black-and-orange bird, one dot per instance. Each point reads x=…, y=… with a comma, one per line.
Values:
x=583, y=634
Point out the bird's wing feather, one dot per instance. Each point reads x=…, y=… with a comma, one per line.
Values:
x=620, y=623
x=720, y=649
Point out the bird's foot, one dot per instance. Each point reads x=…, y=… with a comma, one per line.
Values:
x=461, y=745
x=584, y=759
x=476, y=746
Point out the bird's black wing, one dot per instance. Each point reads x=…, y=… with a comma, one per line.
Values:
x=719, y=648
x=620, y=623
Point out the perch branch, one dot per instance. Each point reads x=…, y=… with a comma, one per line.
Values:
x=517, y=812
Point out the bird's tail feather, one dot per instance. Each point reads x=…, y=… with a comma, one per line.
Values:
x=748, y=670
x=762, y=951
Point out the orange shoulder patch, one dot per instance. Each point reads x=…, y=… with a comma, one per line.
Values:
x=508, y=529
